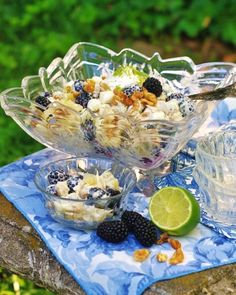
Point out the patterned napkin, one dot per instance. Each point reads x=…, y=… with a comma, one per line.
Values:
x=103, y=268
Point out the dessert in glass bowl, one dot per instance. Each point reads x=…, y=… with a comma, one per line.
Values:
x=121, y=105
x=82, y=192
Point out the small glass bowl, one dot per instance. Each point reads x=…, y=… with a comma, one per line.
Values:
x=86, y=214
x=216, y=155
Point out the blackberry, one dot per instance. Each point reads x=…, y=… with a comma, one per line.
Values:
x=153, y=85
x=186, y=107
x=145, y=232
x=112, y=192
x=51, y=189
x=130, y=218
x=112, y=231
x=177, y=96
x=57, y=175
x=73, y=181
x=96, y=193
x=83, y=98
x=130, y=90
x=78, y=85
x=88, y=129
x=43, y=99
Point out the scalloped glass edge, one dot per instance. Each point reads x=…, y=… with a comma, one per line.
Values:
x=62, y=67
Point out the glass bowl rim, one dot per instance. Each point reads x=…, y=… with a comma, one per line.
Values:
x=70, y=53
x=37, y=174
x=213, y=182
x=201, y=150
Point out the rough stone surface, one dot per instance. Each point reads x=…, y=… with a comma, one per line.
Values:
x=24, y=253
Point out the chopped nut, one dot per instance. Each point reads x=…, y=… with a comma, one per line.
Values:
x=161, y=257
x=141, y=255
x=163, y=239
x=149, y=99
x=174, y=244
x=127, y=101
x=177, y=257
x=147, y=102
x=68, y=89
x=120, y=96
x=137, y=95
x=89, y=86
x=75, y=93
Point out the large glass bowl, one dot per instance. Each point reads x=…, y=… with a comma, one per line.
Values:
x=145, y=145
x=87, y=213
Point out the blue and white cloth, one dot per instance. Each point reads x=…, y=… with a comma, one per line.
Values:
x=103, y=268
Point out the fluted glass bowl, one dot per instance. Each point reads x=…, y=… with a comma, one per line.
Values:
x=131, y=141
x=88, y=213
x=216, y=155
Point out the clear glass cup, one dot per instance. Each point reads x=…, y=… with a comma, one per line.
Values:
x=216, y=155
x=215, y=175
x=88, y=213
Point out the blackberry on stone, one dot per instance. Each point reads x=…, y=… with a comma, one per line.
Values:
x=73, y=181
x=51, y=189
x=131, y=89
x=112, y=192
x=130, y=218
x=78, y=85
x=96, y=193
x=43, y=99
x=83, y=98
x=57, y=175
x=177, y=96
x=112, y=231
x=153, y=85
x=88, y=130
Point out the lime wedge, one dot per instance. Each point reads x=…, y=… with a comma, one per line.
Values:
x=130, y=71
x=174, y=210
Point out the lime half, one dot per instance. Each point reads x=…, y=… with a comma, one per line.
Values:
x=174, y=210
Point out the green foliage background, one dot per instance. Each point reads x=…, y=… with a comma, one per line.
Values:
x=32, y=32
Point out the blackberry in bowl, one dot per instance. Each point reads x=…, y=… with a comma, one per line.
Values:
x=85, y=191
